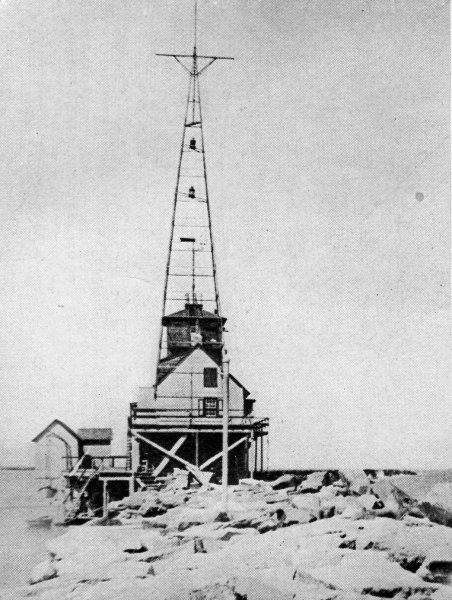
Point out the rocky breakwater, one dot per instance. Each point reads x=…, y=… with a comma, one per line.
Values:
x=332, y=536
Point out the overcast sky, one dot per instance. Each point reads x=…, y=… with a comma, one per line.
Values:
x=328, y=158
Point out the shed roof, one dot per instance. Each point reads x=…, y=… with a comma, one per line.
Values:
x=95, y=434
x=53, y=424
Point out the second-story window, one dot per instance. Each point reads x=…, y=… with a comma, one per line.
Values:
x=210, y=377
x=210, y=407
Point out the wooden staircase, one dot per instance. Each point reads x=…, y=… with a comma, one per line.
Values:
x=73, y=512
x=146, y=479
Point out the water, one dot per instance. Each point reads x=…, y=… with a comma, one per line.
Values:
x=21, y=548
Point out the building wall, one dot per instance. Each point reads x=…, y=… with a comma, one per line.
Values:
x=50, y=451
x=182, y=388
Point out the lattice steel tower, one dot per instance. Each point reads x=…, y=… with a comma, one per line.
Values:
x=191, y=272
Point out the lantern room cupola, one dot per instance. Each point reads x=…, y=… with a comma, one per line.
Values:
x=194, y=326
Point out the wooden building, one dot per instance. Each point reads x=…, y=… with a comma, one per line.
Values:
x=58, y=448
x=183, y=412
x=69, y=463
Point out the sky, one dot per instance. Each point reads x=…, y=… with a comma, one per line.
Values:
x=327, y=146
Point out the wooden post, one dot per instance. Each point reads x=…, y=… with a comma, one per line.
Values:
x=247, y=457
x=253, y=452
x=262, y=453
x=224, y=477
x=105, y=500
x=197, y=448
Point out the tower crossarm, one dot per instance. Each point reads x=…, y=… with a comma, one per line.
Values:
x=196, y=70
x=197, y=56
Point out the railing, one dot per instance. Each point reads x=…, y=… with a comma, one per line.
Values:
x=189, y=344
x=101, y=463
x=236, y=416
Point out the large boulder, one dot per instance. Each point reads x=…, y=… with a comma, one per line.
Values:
x=365, y=572
x=370, y=502
x=252, y=518
x=436, y=505
x=437, y=566
x=441, y=495
x=340, y=487
x=418, y=486
x=230, y=532
x=313, y=482
x=353, y=510
x=269, y=585
x=202, y=532
x=393, y=503
x=346, y=506
x=391, y=509
x=43, y=571
x=171, y=499
x=137, y=499
x=309, y=503
x=252, y=484
x=284, y=482
x=269, y=524
x=183, y=517
x=216, y=591
x=151, y=508
x=442, y=593
x=328, y=492
x=297, y=516
x=179, y=480
x=398, y=501
x=436, y=514
x=275, y=497
x=408, y=542
x=383, y=489
x=356, y=480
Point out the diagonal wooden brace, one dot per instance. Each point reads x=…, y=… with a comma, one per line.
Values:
x=203, y=478
x=217, y=456
x=166, y=460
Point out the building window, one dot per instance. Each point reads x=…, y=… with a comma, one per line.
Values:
x=210, y=377
x=211, y=407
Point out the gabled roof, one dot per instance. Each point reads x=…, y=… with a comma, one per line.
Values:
x=235, y=380
x=51, y=425
x=95, y=434
x=169, y=364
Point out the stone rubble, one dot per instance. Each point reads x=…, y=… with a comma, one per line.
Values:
x=332, y=536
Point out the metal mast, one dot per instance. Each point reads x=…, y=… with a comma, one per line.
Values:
x=191, y=272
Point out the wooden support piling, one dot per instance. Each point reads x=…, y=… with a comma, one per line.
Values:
x=105, y=499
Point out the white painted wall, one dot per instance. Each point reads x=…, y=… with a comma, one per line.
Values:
x=50, y=450
x=176, y=390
